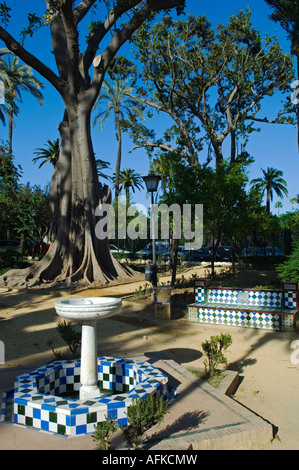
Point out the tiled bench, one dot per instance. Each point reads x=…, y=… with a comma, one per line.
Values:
x=267, y=309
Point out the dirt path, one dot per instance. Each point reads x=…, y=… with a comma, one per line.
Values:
x=269, y=380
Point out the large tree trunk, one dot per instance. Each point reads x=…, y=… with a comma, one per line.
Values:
x=76, y=256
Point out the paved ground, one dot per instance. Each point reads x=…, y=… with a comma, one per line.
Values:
x=265, y=399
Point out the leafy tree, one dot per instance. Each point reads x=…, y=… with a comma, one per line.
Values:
x=289, y=269
x=208, y=81
x=272, y=181
x=32, y=215
x=115, y=99
x=77, y=255
x=9, y=186
x=286, y=12
x=18, y=78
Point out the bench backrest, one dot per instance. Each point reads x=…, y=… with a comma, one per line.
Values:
x=287, y=297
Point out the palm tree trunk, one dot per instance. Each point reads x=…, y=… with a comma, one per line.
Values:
x=297, y=110
x=268, y=200
x=118, y=161
x=10, y=129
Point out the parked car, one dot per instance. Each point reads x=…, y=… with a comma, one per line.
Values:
x=224, y=253
x=203, y=254
x=277, y=251
x=115, y=249
x=162, y=248
x=252, y=251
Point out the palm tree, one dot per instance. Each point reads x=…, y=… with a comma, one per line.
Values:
x=128, y=179
x=278, y=206
x=116, y=97
x=102, y=165
x=5, y=96
x=17, y=78
x=272, y=181
x=286, y=12
x=295, y=200
x=49, y=154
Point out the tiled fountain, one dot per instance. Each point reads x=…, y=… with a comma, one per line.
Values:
x=69, y=397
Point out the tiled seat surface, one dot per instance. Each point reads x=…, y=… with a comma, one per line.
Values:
x=271, y=309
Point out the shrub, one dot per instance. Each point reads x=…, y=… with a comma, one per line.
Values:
x=70, y=335
x=289, y=270
x=11, y=259
x=142, y=415
x=213, y=349
x=104, y=432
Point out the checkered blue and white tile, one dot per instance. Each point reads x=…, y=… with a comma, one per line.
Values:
x=223, y=296
x=290, y=299
x=265, y=298
x=200, y=294
x=247, y=319
x=36, y=402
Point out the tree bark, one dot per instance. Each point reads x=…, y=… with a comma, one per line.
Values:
x=118, y=160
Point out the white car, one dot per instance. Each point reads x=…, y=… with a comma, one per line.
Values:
x=114, y=249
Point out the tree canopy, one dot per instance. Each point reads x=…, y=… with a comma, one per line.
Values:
x=212, y=83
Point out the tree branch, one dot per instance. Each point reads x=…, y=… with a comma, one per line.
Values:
x=125, y=33
x=82, y=9
x=16, y=48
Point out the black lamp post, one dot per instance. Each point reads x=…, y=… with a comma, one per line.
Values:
x=152, y=183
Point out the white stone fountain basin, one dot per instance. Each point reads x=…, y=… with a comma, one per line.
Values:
x=88, y=308
x=86, y=311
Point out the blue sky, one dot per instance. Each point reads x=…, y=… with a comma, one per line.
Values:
x=275, y=146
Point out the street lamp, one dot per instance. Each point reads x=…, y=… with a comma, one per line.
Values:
x=152, y=183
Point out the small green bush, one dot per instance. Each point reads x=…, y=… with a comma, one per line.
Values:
x=104, y=432
x=70, y=335
x=213, y=349
x=289, y=270
x=142, y=415
x=11, y=259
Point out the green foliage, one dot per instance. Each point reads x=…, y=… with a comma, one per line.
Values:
x=272, y=181
x=142, y=415
x=213, y=349
x=210, y=80
x=4, y=13
x=104, y=431
x=11, y=259
x=261, y=262
x=70, y=335
x=289, y=270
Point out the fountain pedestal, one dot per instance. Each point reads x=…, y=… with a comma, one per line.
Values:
x=89, y=364
x=87, y=311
